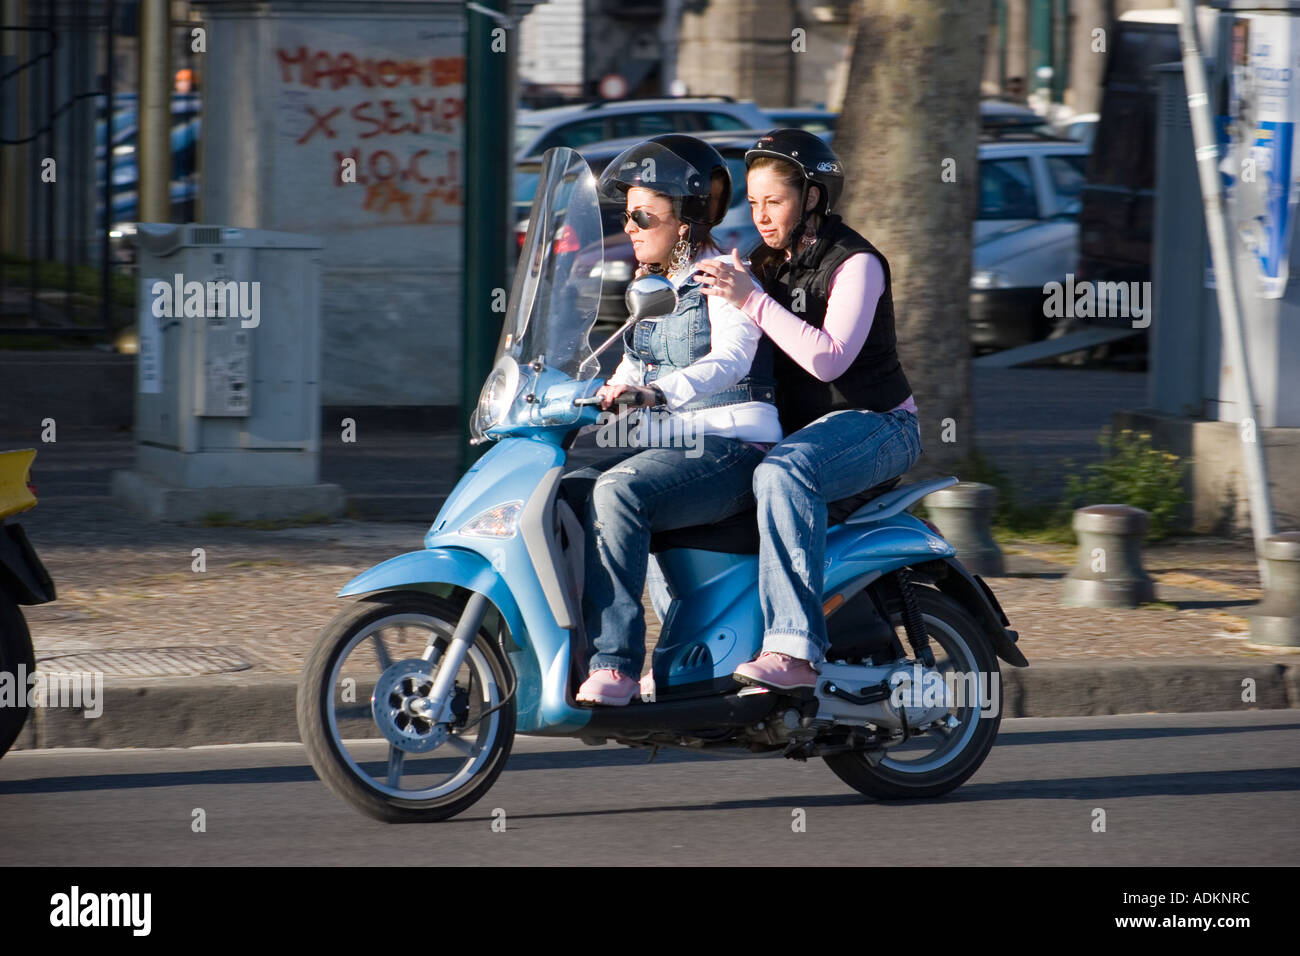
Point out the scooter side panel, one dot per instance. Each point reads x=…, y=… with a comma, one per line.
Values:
x=510, y=471
x=716, y=610
x=516, y=469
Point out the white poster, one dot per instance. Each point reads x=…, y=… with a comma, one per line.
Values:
x=1261, y=166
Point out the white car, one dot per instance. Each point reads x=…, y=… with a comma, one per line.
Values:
x=536, y=131
x=1026, y=235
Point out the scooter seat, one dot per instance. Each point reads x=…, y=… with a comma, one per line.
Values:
x=739, y=533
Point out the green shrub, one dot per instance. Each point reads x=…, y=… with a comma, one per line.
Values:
x=1132, y=473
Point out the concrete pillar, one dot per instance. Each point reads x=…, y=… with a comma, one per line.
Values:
x=742, y=49
x=1017, y=63
x=964, y=513
x=1086, y=66
x=1276, y=619
x=154, y=146
x=1108, y=571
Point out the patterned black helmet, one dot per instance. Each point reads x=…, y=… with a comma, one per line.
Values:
x=817, y=161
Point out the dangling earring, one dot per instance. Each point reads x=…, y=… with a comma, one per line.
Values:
x=809, y=236
x=681, y=255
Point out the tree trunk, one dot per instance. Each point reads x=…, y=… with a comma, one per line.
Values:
x=908, y=139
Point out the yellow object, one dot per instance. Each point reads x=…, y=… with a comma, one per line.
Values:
x=14, y=494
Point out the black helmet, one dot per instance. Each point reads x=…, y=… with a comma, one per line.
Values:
x=683, y=168
x=817, y=161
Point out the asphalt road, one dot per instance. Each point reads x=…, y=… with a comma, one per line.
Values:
x=1189, y=789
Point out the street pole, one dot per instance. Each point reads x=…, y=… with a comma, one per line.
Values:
x=1234, y=336
x=489, y=107
x=154, y=148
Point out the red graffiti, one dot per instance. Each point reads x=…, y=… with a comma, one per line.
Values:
x=383, y=165
x=433, y=114
x=311, y=68
x=321, y=123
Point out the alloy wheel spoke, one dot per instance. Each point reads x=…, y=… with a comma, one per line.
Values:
x=381, y=652
x=396, y=758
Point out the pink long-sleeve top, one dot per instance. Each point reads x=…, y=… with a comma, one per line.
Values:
x=826, y=353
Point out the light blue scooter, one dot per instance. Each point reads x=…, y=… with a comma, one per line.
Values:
x=411, y=698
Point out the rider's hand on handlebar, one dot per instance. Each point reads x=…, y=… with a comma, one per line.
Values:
x=608, y=393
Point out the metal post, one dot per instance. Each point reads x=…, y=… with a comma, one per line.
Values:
x=105, y=278
x=488, y=152
x=155, y=112
x=1207, y=167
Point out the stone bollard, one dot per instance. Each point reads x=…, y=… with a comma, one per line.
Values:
x=1108, y=572
x=1276, y=619
x=964, y=514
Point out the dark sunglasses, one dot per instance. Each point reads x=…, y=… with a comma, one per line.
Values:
x=642, y=218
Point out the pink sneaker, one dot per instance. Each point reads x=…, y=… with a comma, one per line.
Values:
x=608, y=686
x=777, y=671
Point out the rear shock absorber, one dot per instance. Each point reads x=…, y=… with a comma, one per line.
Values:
x=912, y=621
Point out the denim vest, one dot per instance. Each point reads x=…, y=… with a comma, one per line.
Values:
x=663, y=345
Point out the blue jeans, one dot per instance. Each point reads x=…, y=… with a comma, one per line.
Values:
x=837, y=456
x=621, y=501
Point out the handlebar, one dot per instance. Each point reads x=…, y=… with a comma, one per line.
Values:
x=624, y=398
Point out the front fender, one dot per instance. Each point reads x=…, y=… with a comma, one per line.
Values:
x=443, y=566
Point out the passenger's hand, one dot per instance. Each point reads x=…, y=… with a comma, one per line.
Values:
x=607, y=394
x=729, y=281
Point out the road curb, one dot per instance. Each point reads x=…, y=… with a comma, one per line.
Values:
x=190, y=712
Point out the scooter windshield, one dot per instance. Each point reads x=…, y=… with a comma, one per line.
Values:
x=556, y=292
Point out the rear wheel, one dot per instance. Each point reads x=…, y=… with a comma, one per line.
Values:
x=364, y=718
x=945, y=755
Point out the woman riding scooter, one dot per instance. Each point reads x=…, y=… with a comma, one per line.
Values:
x=715, y=417
x=823, y=298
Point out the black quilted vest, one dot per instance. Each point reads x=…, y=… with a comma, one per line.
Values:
x=875, y=380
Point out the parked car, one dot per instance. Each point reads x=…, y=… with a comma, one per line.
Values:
x=1081, y=127
x=536, y=131
x=814, y=121
x=1025, y=236
x=125, y=173
x=1000, y=118
x=735, y=231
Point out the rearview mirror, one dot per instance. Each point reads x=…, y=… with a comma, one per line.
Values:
x=650, y=296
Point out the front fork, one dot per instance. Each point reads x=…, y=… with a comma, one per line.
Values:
x=439, y=698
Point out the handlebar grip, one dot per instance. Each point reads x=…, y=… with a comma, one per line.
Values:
x=629, y=398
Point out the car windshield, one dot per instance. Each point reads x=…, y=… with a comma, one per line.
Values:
x=524, y=134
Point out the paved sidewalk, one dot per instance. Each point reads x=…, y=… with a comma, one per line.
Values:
x=224, y=646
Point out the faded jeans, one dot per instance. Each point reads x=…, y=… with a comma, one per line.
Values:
x=837, y=456
x=621, y=501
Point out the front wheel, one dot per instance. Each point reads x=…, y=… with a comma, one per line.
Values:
x=951, y=750
x=365, y=718
x=16, y=657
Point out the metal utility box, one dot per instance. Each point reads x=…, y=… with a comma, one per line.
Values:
x=228, y=377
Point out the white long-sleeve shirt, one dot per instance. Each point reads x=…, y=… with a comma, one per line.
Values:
x=733, y=340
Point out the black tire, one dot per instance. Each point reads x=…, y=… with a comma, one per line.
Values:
x=886, y=781
x=315, y=693
x=15, y=650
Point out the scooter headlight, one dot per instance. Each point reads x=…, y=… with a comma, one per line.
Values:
x=498, y=392
x=498, y=522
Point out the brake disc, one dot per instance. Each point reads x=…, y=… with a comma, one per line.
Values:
x=402, y=709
